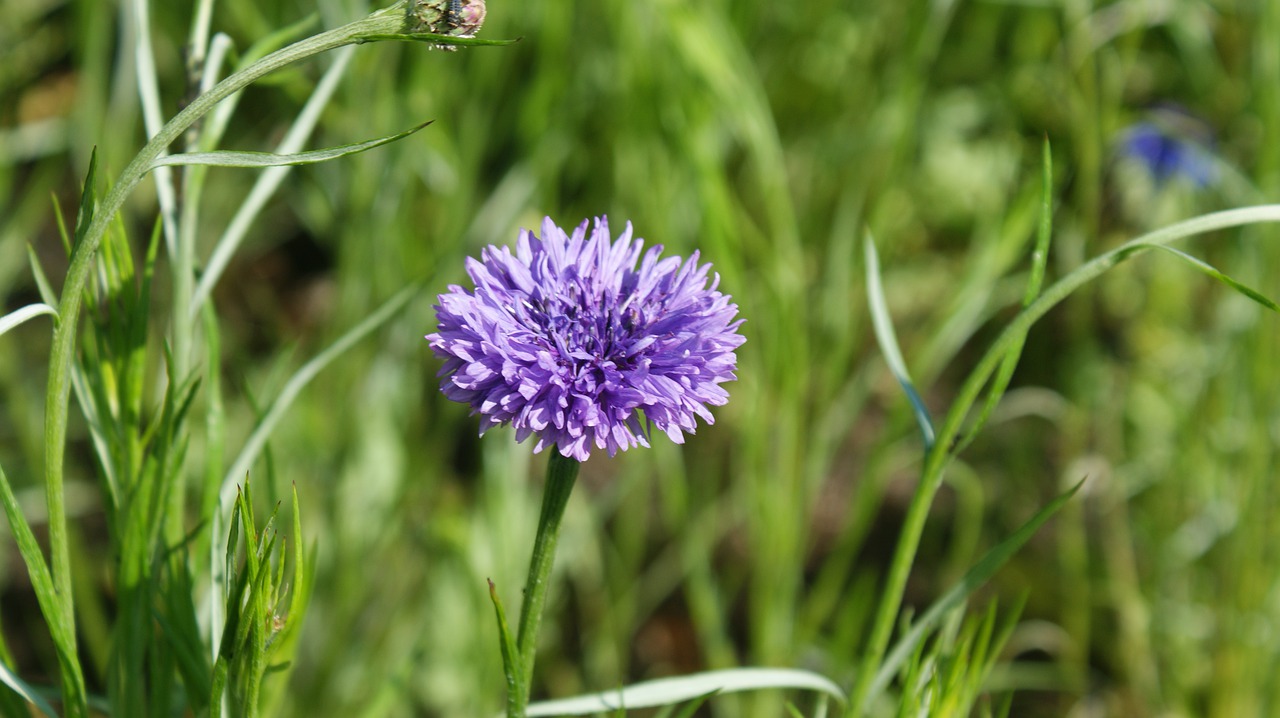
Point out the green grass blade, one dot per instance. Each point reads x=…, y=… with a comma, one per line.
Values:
x=17, y=685
x=976, y=577
x=888, y=342
x=42, y=582
x=1063, y=288
x=27, y=313
x=230, y=158
x=666, y=691
x=1217, y=274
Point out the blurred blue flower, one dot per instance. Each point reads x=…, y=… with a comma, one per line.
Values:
x=1171, y=146
x=570, y=341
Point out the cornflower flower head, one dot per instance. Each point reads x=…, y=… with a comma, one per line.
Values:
x=1171, y=144
x=584, y=341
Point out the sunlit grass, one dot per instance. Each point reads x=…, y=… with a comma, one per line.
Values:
x=771, y=137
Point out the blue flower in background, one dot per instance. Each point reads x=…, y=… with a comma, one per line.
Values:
x=1171, y=145
x=568, y=339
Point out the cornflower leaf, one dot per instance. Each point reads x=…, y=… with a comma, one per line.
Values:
x=232, y=158
x=1217, y=274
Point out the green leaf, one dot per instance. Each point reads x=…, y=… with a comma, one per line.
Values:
x=41, y=577
x=888, y=342
x=11, y=679
x=976, y=577
x=231, y=158
x=666, y=691
x=1217, y=274
x=27, y=313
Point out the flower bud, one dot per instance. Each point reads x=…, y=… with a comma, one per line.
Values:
x=459, y=18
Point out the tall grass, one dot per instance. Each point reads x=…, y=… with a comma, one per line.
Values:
x=771, y=136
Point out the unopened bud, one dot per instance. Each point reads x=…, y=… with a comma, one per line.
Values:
x=459, y=18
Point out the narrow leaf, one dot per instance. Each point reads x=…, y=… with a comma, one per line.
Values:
x=888, y=342
x=976, y=577
x=666, y=691
x=510, y=658
x=231, y=158
x=18, y=316
x=9, y=678
x=1214, y=272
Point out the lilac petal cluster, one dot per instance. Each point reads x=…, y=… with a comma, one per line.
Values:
x=585, y=342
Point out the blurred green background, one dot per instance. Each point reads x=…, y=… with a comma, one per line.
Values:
x=771, y=136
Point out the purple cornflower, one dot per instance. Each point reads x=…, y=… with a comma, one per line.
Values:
x=569, y=340
x=1172, y=143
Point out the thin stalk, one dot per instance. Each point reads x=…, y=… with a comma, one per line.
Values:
x=562, y=472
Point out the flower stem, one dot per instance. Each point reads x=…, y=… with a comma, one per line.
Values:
x=561, y=474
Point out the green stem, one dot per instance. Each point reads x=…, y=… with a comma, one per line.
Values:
x=561, y=474
x=389, y=20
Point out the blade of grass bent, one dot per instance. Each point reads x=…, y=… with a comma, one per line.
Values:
x=888, y=342
x=17, y=685
x=1217, y=274
x=27, y=313
x=666, y=691
x=933, y=471
x=1082, y=275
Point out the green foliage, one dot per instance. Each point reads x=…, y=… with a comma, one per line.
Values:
x=272, y=328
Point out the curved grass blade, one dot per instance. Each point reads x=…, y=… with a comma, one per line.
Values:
x=24, y=691
x=1217, y=274
x=232, y=158
x=666, y=691
x=1064, y=287
x=888, y=342
x=971, y=581
x=27, y=313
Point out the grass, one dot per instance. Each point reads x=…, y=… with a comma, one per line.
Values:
x=771, y=137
